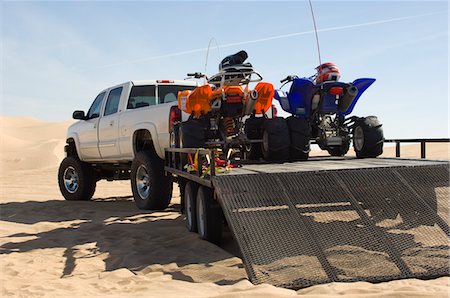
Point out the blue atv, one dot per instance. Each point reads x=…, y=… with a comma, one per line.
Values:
x=320, y=106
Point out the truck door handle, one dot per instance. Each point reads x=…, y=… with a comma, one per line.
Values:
x=111, y=123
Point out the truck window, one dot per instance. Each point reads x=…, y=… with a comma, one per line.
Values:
x=112, y=104
x=94, y=110
x=169, y=93
x=141, y=96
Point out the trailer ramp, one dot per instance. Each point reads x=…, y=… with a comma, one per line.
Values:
x=339, y=220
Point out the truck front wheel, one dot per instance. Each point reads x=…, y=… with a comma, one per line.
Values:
x=151, y=186
x=76, y=179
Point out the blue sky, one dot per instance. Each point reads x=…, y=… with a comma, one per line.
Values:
x=57, y=56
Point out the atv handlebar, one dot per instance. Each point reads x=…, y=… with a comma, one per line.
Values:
x=288, y=79
x=197, y=75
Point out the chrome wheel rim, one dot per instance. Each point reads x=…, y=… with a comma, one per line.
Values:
x=143, y=182
x=358, y=138
x=201, y=216
x=71, y=179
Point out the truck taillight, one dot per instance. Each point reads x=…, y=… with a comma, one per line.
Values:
x=164, y=81
x=174, y=116
x=274, y=111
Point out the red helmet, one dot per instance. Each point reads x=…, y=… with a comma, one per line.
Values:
x=327, y=72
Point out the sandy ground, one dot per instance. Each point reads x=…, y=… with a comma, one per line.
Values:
x=106, y=247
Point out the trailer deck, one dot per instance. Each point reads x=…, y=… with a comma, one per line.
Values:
x=338, y=219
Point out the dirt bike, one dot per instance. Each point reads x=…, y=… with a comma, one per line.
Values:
x=320, y=113
x=225, y=113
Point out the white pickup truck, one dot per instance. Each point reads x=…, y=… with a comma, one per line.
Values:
x=123, y=136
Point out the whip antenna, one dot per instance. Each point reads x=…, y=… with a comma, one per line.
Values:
x=207, y=52
x=315, y=30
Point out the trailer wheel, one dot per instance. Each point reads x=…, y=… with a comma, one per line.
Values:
x=300, y=133
x=151, y=186
x=368, y=137
x=76, y=179
x=193, y=133
x=276, y=140
x=209, y=216
x=254, y=131
x=190, y=205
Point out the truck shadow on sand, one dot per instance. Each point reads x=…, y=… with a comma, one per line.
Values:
x=115, y=231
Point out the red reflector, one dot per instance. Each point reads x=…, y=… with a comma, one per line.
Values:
x=164, y=81
x=234, y=98
x=336, y=90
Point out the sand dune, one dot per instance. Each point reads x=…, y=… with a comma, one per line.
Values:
x=107, y=247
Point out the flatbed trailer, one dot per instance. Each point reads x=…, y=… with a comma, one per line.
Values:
x=329, y=218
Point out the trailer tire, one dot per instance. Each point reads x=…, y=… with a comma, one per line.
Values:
x=151, y=186
x=193, y=133
x=209, y=216
x=300, y=134
x=254, y=131
x=368, y=138
x=276, y=140
x=190, y=208
x=76, y=179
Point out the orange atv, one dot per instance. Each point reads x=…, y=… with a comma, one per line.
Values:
x=224, y=113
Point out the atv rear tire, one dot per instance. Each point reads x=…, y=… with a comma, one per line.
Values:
x=254, y=131
x=193, y=133
x=276, y=140
x=76, y=179
x=300, y=133
x=151, y=186
x=368, y=137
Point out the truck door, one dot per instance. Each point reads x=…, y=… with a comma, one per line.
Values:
x=108, y=127
x=87, y=133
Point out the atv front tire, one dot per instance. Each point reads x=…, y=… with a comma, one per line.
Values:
x=368, y=137
x=276, y=140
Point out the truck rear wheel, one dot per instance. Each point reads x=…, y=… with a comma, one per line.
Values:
x=368, y=137
x=190, y=205
x=276, y=140
x=209, y=216
x=300, y=133
x=76, y=179
x=151, y=186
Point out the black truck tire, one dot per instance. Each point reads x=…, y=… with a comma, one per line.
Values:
x=368, y=138
x=209, y=216
x=276, y=140
x=190, y=205
x=151, y=186
x=300, y=134
x=76, y=179
x=254, y=131
x=193, y=133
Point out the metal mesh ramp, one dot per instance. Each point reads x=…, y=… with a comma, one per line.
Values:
x=298, y=229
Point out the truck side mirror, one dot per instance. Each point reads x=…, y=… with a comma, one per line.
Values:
x=79, y=115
